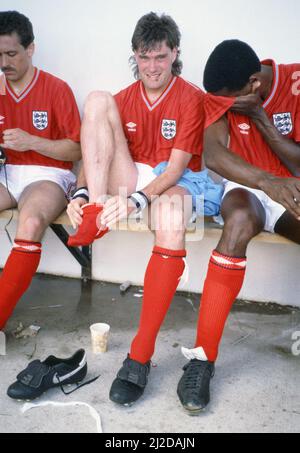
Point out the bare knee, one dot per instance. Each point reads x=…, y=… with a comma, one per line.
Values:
x=96, y=103
x=169, y=226
x=240, y=227
x=32, y=228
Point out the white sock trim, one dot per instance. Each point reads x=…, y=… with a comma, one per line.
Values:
x=198, y=354
x=186, y=273
x=28, y=248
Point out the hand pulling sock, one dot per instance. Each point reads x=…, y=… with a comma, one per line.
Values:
x=223, y=283
x=162, y=277
x=88, y=231
x=17, y=274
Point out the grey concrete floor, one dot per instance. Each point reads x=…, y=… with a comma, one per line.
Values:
x=255, y=389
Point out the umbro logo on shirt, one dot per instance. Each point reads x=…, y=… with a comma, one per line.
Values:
x=244, y=128
x=131, y=127
x=2, y=118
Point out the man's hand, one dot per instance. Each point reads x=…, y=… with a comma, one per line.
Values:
x=17, y=140
x=75, y=211
x=249, y=105
x=285, y=191
x=115, y=209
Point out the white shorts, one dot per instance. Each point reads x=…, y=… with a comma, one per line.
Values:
x=145, y=175
x=18, y=177
x=272, y=209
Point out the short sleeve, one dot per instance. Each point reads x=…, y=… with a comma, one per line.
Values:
x=189, y=136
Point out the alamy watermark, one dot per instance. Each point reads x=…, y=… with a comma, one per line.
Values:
x=296, y=344
x=167, y=213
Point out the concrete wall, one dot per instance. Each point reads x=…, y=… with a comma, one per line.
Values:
x=88, y=45
x=272, y=272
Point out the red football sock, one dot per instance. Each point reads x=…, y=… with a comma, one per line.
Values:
x=17, y=274
x=88, y=231
x=223, y=283
x=162, y=277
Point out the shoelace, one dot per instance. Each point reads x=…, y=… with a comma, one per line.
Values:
x=78, y=386
x=194, y=374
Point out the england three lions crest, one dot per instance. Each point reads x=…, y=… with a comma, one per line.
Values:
x=40, y=120
x=168, y=129
x=283, y=123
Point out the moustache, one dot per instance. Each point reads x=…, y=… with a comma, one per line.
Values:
x=7, y=69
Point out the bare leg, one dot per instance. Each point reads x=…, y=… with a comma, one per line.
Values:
x=169, y=218
x=244, y=218
x=107, y=161
x=162, y=276
x=164, y=271
x=39, y=205
x=289, y=227
x=6, y=201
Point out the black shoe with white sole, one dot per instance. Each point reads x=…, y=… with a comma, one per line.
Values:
x=193, y=387
x=39, y=376
x=130, y=382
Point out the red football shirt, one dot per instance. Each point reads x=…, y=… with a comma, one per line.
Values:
x=175, y=120
x=47, y=109
x=283, y=109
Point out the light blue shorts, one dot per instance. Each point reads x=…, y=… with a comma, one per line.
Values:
x=199, y=185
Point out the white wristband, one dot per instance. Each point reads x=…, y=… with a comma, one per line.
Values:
x=139, y=200
x=81, y=192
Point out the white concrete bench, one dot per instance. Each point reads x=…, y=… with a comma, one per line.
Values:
x=209, y=230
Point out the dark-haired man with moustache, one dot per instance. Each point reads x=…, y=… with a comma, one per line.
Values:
x=252, y=139
x=39, y=132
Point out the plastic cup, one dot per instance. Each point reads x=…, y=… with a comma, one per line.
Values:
x=99, y=336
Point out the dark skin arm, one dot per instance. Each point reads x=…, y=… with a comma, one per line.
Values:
x=285, y=149
x=231, y=166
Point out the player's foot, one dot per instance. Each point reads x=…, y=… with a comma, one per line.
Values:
x=130, y=382
x=89, y=230
x=193, y=387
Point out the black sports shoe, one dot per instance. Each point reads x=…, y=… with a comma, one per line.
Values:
x=41, y=376
x=130, y=382
x=193, y=387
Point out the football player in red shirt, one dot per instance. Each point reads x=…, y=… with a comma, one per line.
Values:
x=160, y=118
x=252, y=139
x=40, y=134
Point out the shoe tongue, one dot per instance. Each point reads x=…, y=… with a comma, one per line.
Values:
x=191, y=354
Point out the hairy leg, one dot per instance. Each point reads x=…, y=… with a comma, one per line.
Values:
x=107, y=161
x=40, y=204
